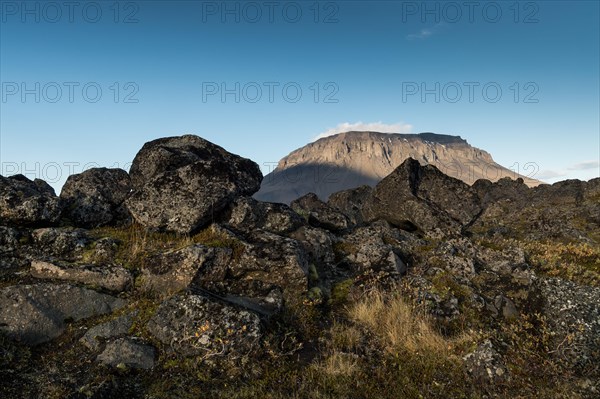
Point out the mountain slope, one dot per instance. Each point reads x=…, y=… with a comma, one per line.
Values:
x=352, y=159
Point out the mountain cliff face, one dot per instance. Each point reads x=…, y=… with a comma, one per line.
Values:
x=352, y=159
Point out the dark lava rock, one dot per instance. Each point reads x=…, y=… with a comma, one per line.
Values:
x=350, y=202
x=319, y=214
x=422, y=198
x=506, y=188
x=96, y=198
x=193, y=325
x=182, y=183
x=567, y=210
x=247, y=214
x=318, y=243
x=64, y=243
x=264, y=271
x=167, y=273
x=28, y=203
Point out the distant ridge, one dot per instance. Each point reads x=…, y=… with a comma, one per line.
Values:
x=351, y=159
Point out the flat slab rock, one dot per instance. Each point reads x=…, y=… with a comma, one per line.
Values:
x=34, y=314
x=111, y=329
x=128, y=352
x=113, y=278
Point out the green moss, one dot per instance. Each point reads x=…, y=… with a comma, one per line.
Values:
x=305, y=214
x=313, y=275
x=146, y=308
x=493, y=245
x=340, y=292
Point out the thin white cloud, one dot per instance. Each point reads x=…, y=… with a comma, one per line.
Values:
x=585, y=165
x=422, y=34
x=548, y=174
x=426, y=32
x=381, y=127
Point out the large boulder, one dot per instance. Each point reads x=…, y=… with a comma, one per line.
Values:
x=34, y=314
x=96, y=197
x=504, y=189
x=28, y=203
x=182, y=183
x=422, y=198
x=368, y=249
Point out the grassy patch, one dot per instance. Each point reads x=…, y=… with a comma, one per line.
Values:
x=136, y=243
x=578, y=262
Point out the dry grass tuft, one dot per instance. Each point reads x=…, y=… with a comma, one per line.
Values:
x=402, y=327
x=338, y=364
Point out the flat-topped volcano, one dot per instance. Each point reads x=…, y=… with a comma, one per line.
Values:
x=352, y=159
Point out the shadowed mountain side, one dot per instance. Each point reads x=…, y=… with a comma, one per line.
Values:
x=369, y=157
x=322, y=179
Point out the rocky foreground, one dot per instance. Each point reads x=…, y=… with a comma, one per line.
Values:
x=172, y=281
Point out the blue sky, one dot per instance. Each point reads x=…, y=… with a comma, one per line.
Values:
x=87, y=84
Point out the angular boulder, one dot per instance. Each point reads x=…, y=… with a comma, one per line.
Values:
x=64, y=243
x=350, y=202
x=504, y=189
x=182, y=183
x=422, y=198
x=96, y=197
x=28, y=203
x=367, y=249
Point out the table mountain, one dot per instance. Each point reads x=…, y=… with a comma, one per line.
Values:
x=352, y=159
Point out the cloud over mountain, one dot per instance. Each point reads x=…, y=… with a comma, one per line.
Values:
x=380, y=127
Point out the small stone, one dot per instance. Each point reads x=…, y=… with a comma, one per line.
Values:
x=127, y=352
